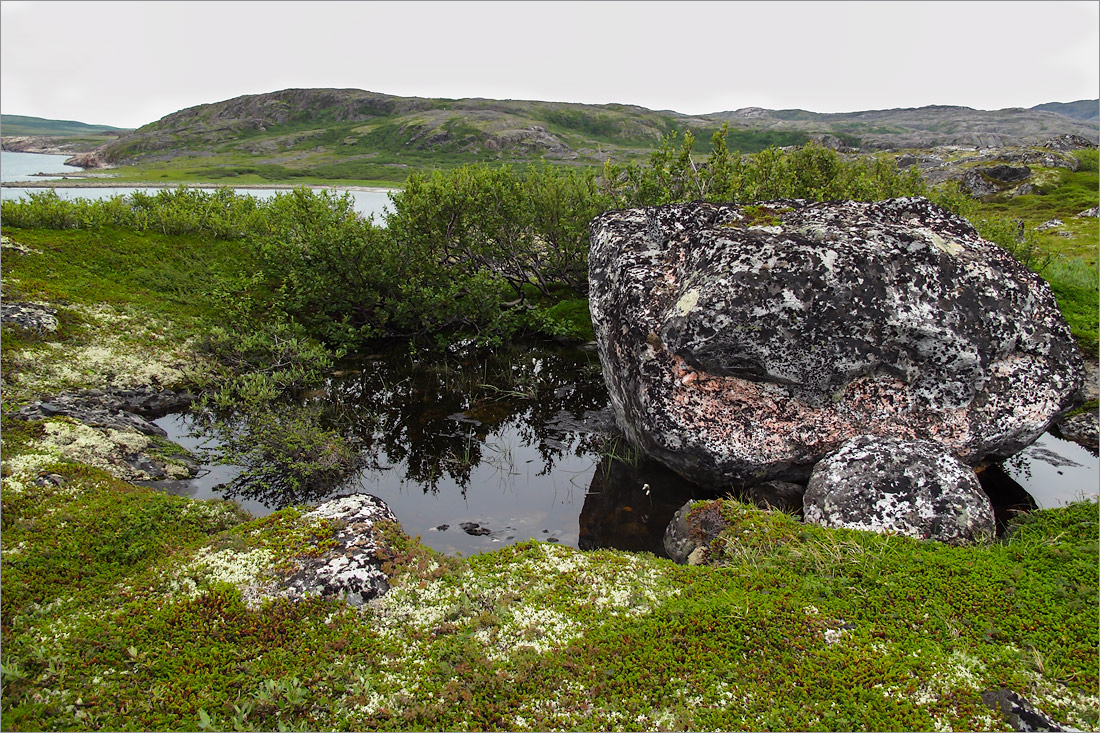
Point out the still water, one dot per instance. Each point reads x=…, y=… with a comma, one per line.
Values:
x=519, y=443
x=15, y=167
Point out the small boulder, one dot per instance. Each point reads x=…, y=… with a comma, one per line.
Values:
x=1094, y=211
x=691, y=531
x=905, y=487
x=1050, y=224
x=1020, y=714
x=352, y=570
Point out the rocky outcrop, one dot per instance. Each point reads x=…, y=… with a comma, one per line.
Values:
x=743, y=343
x=92, y=159
x=905, y=487
x=32, y=317
x=351, y=570
x=1069, y=142
x=43, y=144
x=1020, y=714
x=115, y=409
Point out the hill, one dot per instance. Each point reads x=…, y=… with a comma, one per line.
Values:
x=351, y=135
x=922, y=127
x=23, y=125
x=1084, y=109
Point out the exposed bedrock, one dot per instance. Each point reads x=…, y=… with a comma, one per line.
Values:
x=743, y=343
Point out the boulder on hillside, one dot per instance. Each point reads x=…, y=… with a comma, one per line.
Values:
x=743, y=343
x=906, y=487
x=1005, y=173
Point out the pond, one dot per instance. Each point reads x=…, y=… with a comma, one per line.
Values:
x=479, y=451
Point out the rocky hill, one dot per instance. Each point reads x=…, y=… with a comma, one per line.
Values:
x=926, y=127
x=351, y=134
x=1083, y=109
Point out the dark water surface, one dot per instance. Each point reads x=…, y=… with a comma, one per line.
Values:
x=517, y=443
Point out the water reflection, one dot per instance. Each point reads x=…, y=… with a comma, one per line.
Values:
x=439, y=419
x=480, y=449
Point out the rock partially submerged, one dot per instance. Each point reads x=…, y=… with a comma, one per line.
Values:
x=115, y=409
x=352, y=570
x=904, y=487
x=744, y=343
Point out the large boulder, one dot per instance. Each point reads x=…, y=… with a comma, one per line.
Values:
x=743, y=343
x=907, y=487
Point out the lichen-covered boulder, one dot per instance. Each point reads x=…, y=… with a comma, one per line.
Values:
x=743, y=343
x=905, y=487
x=351, y=570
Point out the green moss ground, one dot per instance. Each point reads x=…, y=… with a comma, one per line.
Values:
x=126, y=609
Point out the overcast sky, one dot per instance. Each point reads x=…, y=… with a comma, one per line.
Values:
x=130, y=63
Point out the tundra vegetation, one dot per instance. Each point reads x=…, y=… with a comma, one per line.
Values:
x=125, y=608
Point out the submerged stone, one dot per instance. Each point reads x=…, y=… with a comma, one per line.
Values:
x=743, y=343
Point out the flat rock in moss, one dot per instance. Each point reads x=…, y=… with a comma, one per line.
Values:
x=352, y=570
x=38, y=319
x=743, y=343
x=911, y=488
x=1019, y=713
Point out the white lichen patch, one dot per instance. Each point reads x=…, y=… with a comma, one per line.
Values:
x=250, y=570
x=123, y=351
x=105, y=449
x=1047, y=696
x=21, y=470
x=536, y=603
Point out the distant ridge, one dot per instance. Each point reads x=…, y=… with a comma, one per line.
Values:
x=358, y=135
x=24, y=125
x=1084, y=109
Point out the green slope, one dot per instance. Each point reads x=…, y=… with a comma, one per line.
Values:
x=24, y=125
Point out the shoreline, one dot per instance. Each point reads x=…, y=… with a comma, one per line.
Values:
x=104, y=183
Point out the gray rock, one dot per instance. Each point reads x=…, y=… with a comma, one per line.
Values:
x=351, y=571
x=977, y=185
x=781, y=495
x=1069, y=142
x=742, y=344
x=906, y=487
x=38, y=319
x=1050, y=224
x=1019, y=713
x=1025, y=190
x=1082, y=428
x=123, y=409
x=1094, y=211
x=691, y=531
x=1005, y=173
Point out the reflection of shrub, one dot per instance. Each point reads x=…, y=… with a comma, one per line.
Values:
x=287, y=457
x=569, y=319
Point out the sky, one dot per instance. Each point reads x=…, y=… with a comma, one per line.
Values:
x=130, y=63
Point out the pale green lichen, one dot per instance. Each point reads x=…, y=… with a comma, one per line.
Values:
x=105, y=449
